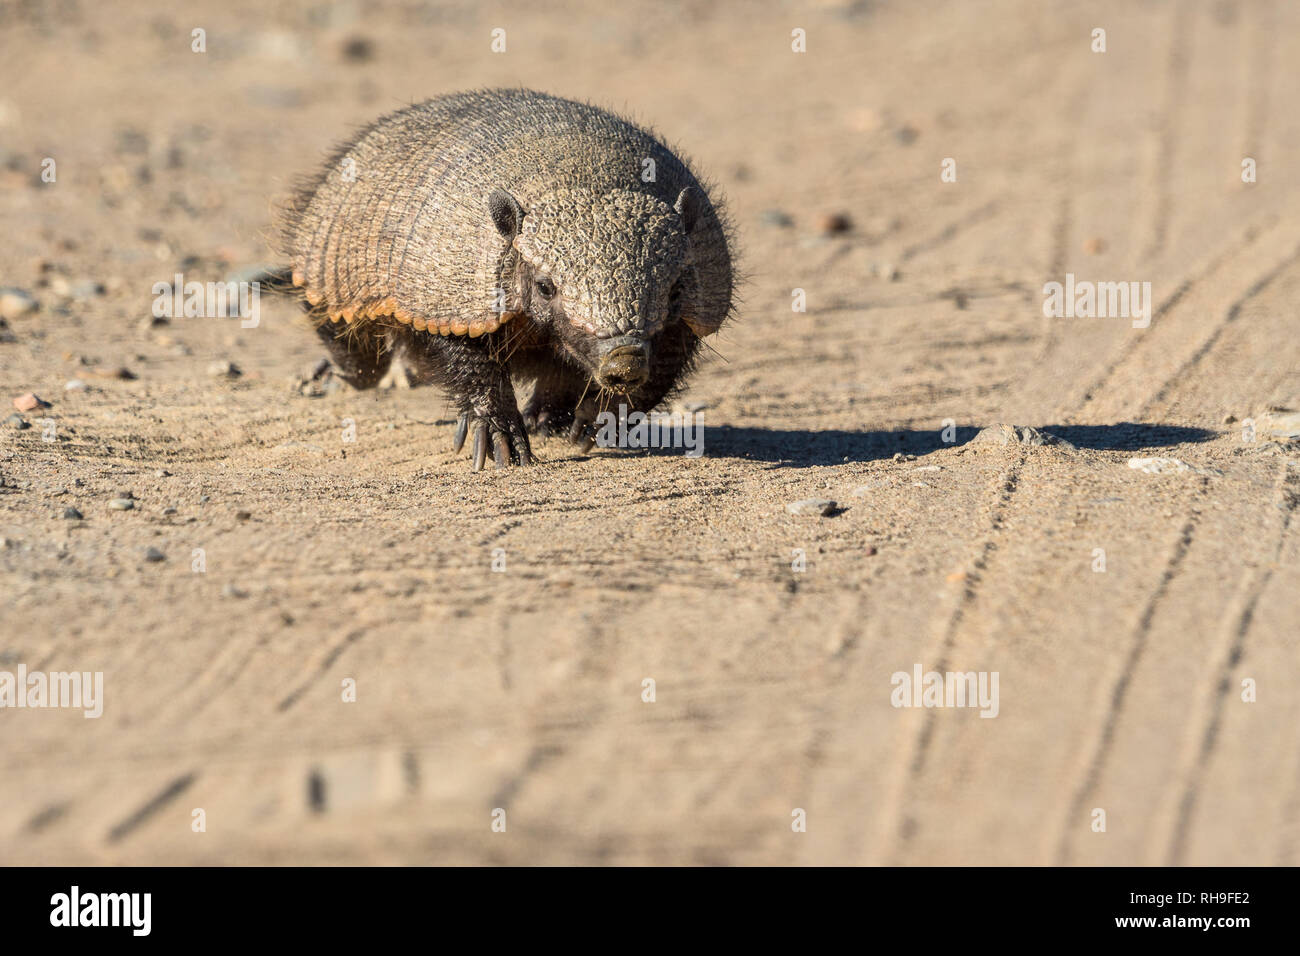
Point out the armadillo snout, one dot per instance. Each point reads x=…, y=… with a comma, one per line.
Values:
x=625, y=364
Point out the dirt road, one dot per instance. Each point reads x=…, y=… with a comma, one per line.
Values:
x=1121, y=610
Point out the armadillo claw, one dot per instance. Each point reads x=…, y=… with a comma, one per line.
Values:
x=480, y=444
x=462, y=428
x=508, y=444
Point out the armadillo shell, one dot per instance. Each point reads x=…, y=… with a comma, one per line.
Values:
x=397, y=224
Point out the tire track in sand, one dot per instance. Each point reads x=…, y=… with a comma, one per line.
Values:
x=912, y=755
x=1230, y=315
x=1230, y=650
x=1091, y=769
x=1167, y=142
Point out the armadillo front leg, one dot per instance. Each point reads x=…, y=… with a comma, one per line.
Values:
x=480, y=387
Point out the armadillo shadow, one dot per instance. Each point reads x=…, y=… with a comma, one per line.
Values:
x=804, y=448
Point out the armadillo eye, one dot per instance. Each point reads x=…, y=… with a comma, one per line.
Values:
x=545, y=288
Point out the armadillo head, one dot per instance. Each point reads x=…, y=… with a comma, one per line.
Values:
x=608, y=273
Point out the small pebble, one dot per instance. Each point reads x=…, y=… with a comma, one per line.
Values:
x=86, y=289
x=1158, y=466
x=17, y=421
x=1167, y=466
x=154, y=555
x=834, y=223
x=75, y=385
x=243, y=515
x=811, y=506
x=16, y=303
x=117, y=371
x=29, y=402
x=906, y=135
x=358, y=49
x=776, y=217
x=121, y=504
x=224, y=369
x=72, y=514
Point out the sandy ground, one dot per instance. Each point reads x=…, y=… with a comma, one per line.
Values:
x=371, y=560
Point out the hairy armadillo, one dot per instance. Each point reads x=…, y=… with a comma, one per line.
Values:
x=507, y=236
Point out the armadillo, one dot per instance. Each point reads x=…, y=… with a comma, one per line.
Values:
x=508, y=237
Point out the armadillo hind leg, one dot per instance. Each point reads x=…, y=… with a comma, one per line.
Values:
x=424, y=362
x=555, y=397
x=361, y=355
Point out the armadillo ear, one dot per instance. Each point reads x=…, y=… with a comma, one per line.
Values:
x=688, y=206
x=506, y=212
